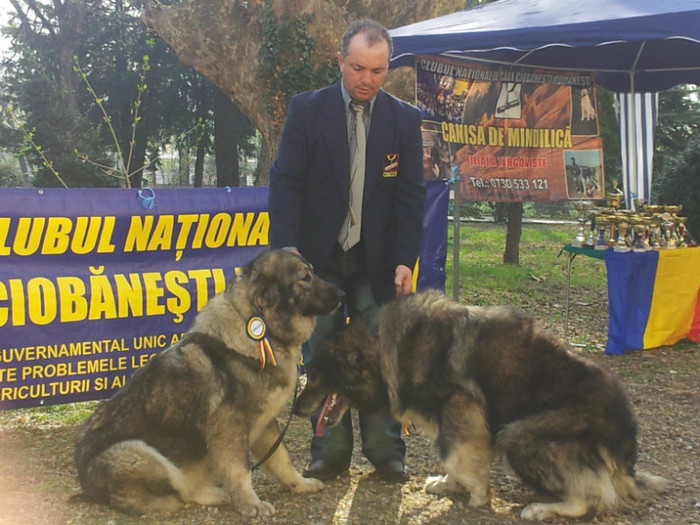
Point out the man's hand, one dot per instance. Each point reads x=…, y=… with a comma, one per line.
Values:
x=403, y=280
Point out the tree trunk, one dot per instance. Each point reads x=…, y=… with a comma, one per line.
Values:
x=138, y=161
x=184, y=160
x=199, y=165
x=225, y=40
x=513, y=233
x=225, y=141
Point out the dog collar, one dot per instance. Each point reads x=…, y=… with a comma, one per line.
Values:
x=256, y=328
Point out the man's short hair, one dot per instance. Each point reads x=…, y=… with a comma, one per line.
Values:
x=374, y=33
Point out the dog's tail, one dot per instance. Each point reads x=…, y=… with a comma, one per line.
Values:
x=550, y=453
x=632, y=489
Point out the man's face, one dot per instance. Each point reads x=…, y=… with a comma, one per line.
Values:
x=364, y=68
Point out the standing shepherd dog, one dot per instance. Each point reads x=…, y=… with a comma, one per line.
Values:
x=183, y=427
x=480, y=378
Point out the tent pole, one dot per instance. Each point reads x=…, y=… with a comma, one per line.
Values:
x=632, y=165
x=456, y=220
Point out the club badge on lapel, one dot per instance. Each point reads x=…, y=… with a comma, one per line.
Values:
x=391, y=168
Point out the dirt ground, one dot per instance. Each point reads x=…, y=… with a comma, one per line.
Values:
x=38, y=481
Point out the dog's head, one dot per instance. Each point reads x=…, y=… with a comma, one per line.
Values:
x=343, y=372
x=282, y=287
x=284, y=282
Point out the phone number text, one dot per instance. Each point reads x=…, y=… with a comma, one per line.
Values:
x=509, y=183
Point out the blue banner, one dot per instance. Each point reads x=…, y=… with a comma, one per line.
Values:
x=94, y=282
x=433, y=250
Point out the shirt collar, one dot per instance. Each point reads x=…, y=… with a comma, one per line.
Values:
x=347, y=99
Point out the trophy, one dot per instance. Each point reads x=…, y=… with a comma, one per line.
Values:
x=639, y=205
x=640, y=234
x=602, y=222
x=650, y=227
x=591, y=237
x=583, y=208
x=682, y=231
x=613, y=200
x=622, y=227
x=654, y=208
x=669, y=233
x=673, y=210
x=655, y=236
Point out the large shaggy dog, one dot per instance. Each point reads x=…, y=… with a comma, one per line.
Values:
x=183, y=428
x=480, y=378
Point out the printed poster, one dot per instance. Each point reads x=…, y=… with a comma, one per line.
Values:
x=511, y=135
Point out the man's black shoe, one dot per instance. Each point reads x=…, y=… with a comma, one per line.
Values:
x=391, y=471
x=324, y=470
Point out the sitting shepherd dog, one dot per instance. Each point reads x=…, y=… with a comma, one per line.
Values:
x=183, y=427
x=479, y=378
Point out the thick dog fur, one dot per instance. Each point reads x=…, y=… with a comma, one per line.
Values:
x=183, y=427
x=482, y=379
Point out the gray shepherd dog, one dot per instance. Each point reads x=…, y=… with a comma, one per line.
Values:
x=480, y=379
x=183, y=427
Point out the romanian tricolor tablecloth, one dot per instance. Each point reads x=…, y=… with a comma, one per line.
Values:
x=653, y=298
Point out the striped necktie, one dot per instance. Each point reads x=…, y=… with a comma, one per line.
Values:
x=350, y=233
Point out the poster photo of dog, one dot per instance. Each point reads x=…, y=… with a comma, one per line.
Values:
x=584, y=111
x=584, y=174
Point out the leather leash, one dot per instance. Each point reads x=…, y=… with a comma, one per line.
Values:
x=279, y=439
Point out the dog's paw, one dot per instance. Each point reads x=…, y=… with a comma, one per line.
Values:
x=537, y=512
x=260, y=509
x=441, y=485
x=479, y=497
x=307, y=485
x=571, y=508
x=211, y=497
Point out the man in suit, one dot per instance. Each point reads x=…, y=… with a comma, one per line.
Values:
x=313, y=206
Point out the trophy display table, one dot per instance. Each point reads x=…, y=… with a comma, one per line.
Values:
x=653, y=296
x=573, y=251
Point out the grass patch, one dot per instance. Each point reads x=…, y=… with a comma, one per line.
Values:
x=482, y=274
x=47, y=417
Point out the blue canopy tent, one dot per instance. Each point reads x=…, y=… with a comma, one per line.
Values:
x=633, y=47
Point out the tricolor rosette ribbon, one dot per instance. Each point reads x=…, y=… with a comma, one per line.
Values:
x=257, y=331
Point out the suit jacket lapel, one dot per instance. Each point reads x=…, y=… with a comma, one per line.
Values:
x=336, y=137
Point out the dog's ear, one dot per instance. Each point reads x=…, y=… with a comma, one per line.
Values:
x=266, y=295
x=264, y=290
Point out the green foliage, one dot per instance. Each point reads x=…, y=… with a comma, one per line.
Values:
x=286, y=64
x=679, y=120
x=679, y=183
x=125, y=158
x=610, y=133
x=676, y=177
x=9, y=178
x=146, y=107
x=47, y=165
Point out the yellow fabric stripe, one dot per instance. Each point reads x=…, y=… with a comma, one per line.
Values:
x=675, y=294
x=414, y=277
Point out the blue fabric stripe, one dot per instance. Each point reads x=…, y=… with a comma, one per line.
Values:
x=433, y=251
x=631, y=278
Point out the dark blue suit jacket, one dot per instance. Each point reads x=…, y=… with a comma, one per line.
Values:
x=310, y=181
